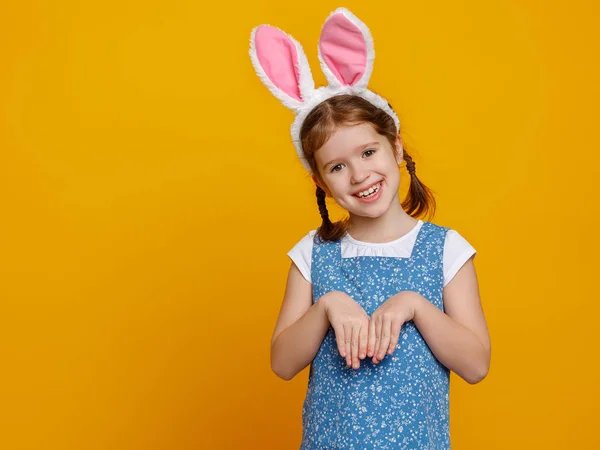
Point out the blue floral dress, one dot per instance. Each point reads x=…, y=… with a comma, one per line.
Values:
x=402, y=402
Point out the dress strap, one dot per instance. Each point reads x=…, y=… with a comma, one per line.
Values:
x=419, y=248
x=430, y=243
x=326, y=268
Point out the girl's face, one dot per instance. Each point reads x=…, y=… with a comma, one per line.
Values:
x=353, y=162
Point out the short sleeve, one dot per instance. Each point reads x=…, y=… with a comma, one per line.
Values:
x=457, y=251
x=301, y=254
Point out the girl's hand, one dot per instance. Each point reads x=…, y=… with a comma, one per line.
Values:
x=351, y=325
x=386, y=322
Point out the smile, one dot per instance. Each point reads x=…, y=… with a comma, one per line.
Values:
x=371, y=194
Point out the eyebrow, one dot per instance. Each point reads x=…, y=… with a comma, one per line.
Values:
x=357, y=149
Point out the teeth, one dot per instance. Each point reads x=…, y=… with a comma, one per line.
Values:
x=369, y=191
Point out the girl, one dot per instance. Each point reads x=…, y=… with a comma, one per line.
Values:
x=381, y=305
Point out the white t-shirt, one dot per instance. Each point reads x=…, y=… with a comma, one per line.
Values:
x=456, y=250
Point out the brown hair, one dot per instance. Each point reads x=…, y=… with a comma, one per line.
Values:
x=349, y=109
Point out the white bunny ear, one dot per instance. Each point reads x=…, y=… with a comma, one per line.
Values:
x=346, y=50
x=281, y=64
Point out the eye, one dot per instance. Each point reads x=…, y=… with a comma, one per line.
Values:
x=366, y=152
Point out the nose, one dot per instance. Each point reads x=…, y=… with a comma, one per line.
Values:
x=358, y=174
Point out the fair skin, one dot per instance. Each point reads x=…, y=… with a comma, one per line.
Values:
x=457, y=336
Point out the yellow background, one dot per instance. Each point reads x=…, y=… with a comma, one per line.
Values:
x=149, y=195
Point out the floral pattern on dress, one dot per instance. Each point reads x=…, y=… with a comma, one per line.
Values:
x=402, y=402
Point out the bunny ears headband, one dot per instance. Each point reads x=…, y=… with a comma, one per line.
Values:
x=346, y=56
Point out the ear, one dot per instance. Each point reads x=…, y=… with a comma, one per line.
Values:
x=399, y=154
x=281, y=65
x=346, y=50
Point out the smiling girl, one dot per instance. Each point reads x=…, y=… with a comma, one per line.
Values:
x=382, y=305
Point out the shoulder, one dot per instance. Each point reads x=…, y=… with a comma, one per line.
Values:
x=457, y=251
x=455, y=242
x=436, y=228
x=453, y=239
x=306, y=240
x=301, y=254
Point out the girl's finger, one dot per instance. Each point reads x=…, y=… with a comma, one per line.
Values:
x=347, y=339
x=378, y=323
x=371, y=340
x=340, y=340
x=355, y=335
x=363, y=339
x=386, y=331
x=396, y=327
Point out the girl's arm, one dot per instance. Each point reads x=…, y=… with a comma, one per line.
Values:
x=300, y=329
x=459, y=337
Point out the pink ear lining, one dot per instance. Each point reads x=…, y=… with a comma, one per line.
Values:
x=343, y=49
x=279, y=59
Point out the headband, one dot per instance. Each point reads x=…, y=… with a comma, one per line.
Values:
x=346, y=57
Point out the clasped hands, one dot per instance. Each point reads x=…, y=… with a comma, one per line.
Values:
x=358, y=335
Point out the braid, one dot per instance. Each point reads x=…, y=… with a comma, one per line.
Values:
x=322, y=206
x=410, y=164
x=419, y=199
x=328, y=231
